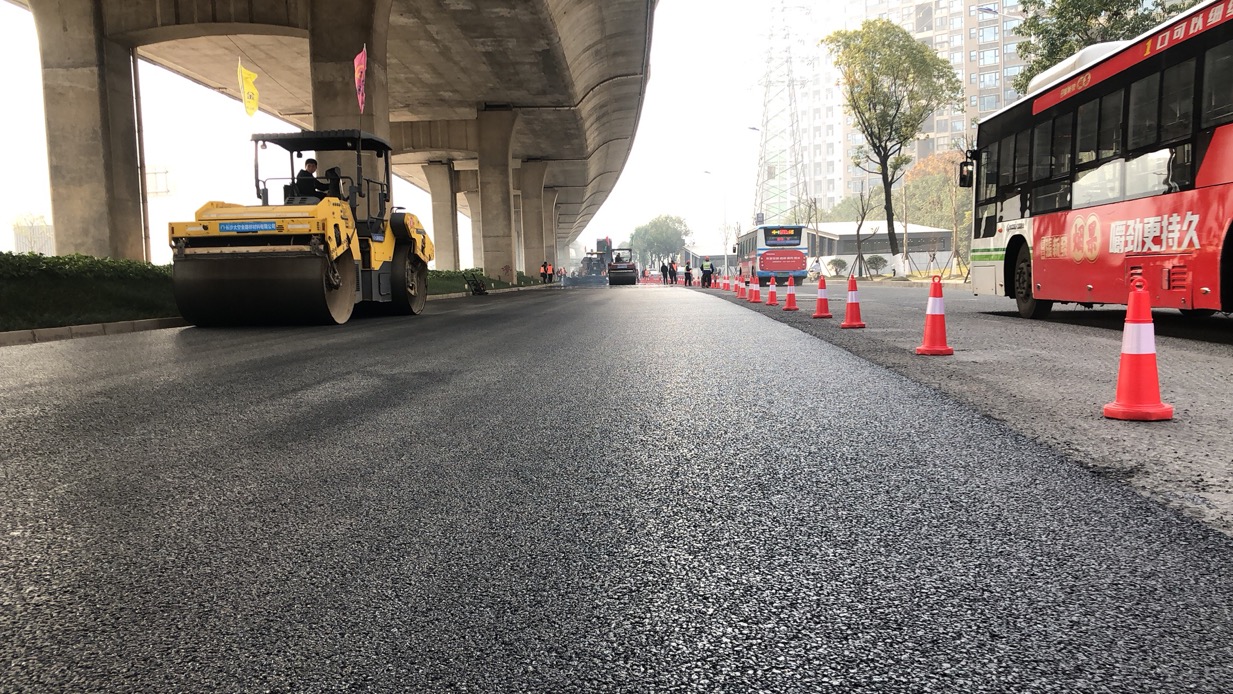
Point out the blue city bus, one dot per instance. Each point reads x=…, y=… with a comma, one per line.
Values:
x=773, y=250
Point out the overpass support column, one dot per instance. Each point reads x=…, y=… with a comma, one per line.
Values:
x=549, y=209
x=91, y=119
x=334, y=39
x=534, y=251
x=444, y=214
x=477, y=228
x=496, y=129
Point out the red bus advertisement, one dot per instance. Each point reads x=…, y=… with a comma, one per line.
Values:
x=1117, y=172
x=772, y=251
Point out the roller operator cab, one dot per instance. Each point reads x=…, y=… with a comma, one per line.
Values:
x=310, y=255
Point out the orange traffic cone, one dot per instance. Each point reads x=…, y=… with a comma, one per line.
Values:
x=790, y=304
x=1138, y=386
x=852, y=316
x=755, y=292
x=823, y=309
x=738, y=286
x=771, y=299
x=935, y=323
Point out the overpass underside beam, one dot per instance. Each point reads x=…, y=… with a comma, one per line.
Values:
x=92, y=154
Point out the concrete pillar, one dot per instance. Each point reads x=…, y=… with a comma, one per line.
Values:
x=444, y=213
x=520, y=260
x=91, y=132
x=334, y=39
x=477, y=228
x=548, y=216
x=496, y=129
x=531, y=184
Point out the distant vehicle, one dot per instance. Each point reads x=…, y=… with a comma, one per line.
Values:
x=593, y=270
x=1116, y=172
x=772, y=251
x=622, y=269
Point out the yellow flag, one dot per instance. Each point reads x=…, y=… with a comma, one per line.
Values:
x=248, y=90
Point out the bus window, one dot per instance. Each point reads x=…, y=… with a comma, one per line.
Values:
x=1217, y=86
x=1063, y=134
x=1181, y=167
x=1147, y=174
x=1087, y=126
x=1023, y=143
x=1042, y=144
x=1144, y=113
x=1050, y=197
x=1006, y=167
x=1109, y=140
x=1100, y=185
x=986, y=221
x=989, y=172
x=1177, y=102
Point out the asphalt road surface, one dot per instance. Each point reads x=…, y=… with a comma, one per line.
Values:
x=1049, y=380
x=558, y=491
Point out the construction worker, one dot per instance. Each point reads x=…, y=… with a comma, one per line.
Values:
x=672, y=272
x=689, y=274
x=707, y=268
x=543, y=273
x=663, y=272
x=549, y=269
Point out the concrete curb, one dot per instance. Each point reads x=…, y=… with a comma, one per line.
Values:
x=69, y=332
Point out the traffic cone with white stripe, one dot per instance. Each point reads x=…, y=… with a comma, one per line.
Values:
x=771, y=299
x=1138, y=385
x=823, y=309
x=790, y=304
x=755, y=292
x=852, y=315
x=935, y=323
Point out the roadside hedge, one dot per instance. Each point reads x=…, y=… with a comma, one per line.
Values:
x=38, y=291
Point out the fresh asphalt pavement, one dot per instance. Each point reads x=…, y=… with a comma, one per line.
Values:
x=556, y=491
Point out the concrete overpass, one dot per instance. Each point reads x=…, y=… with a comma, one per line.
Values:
x=525, y=108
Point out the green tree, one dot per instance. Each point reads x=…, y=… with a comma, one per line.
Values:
x=876, y=263
x=659, y=239
x=936, y=200
x=1054, y=30
x=891, y=83
x=837, y=266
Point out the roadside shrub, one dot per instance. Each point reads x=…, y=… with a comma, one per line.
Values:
x=838, y=266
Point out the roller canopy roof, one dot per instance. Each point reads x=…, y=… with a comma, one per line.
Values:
x=325, y=141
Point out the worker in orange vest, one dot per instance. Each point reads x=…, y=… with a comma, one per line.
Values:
x=549, y=273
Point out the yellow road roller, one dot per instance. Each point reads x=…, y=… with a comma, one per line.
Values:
x=323, y=246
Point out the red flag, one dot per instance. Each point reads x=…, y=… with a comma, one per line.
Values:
x=361, y=69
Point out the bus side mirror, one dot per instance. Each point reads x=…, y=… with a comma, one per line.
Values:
x=965, y=174
x=734, y=250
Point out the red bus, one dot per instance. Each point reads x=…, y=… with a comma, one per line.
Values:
x=1118, y=171
x=772, y=251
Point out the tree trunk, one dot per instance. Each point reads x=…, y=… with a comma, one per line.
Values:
x=889, y=204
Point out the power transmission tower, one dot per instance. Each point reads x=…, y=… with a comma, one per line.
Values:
x=783, y=195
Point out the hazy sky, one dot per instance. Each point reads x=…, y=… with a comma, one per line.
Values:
x=707, y=58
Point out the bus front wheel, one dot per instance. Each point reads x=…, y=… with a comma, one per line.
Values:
x=1029, y=305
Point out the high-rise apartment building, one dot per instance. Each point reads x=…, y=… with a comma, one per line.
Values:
x=977, y=38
